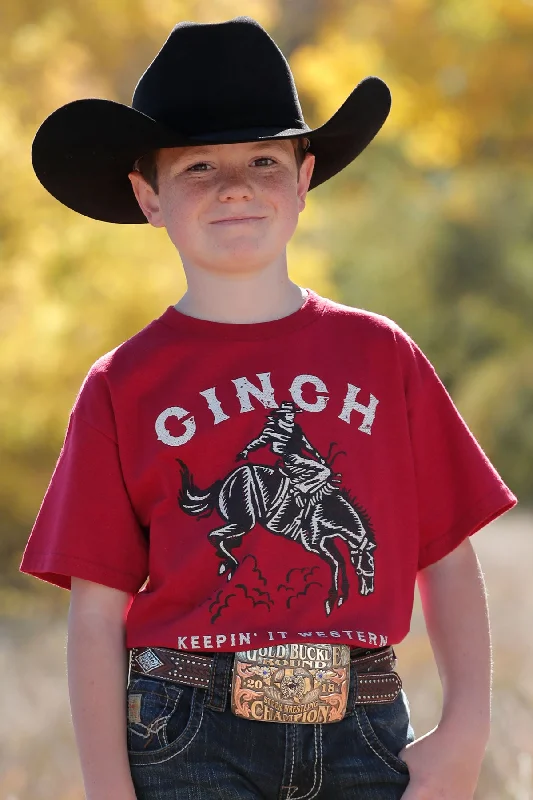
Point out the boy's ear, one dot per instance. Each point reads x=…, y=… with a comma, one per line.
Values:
x=148, y=200
x=306, y=172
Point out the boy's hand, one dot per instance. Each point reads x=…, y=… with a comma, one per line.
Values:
x=445, y=763
x=442, y=766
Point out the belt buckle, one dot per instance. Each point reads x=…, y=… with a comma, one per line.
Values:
x=296, y=683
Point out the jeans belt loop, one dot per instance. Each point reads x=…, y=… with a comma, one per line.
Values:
x=220, y=682
x=352, y=693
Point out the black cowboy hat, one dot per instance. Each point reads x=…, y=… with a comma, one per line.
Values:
x=214, y=83
x=287, y=408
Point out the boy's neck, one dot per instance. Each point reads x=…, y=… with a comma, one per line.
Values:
x=240, y=299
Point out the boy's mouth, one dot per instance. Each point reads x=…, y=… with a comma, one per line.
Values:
x=235, y=220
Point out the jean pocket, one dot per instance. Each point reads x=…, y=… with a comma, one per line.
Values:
x=163, y=718
x=386, y=730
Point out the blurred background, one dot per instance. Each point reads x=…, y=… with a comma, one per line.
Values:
x=431, y=226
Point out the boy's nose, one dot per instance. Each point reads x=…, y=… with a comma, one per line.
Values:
x=234, y=185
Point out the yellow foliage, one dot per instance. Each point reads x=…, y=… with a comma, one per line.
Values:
x=436, y=142
x=329, y=72
x=164, y=14
x=480, y=19
x=311, y=267
x=266, y=12
x=404, y=101
x=454, y=69
x=462, y=203
x=516, y=14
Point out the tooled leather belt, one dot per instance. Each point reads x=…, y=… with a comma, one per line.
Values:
x=376, y=680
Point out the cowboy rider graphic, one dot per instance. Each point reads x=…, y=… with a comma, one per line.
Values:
x=286, y=438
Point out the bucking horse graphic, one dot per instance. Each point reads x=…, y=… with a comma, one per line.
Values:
x=300, y=498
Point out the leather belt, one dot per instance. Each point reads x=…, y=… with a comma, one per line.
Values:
x=376, y=680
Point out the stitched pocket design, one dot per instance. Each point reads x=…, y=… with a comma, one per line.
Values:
x=386, y=730
x=159, y=713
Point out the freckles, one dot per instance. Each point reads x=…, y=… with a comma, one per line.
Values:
x=281, y=188
x=279, y=178
x=191, y=193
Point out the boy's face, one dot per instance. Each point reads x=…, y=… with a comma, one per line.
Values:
x=202, y=188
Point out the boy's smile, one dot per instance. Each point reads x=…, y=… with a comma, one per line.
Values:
x=230, y=207
x=233, y=220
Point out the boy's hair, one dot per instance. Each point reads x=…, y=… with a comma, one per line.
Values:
x=147, y=164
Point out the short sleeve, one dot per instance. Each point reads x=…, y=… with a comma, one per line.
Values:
x=458, y=489
x=86, y=526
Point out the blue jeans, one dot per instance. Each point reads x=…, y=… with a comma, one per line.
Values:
x=185, y=743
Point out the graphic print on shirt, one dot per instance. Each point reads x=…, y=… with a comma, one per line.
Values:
x=298, y=582
x=300, y=498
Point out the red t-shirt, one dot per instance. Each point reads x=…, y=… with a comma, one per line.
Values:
x=253, y=484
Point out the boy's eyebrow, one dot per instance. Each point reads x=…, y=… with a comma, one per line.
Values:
x=200, y=150
x=269, y=143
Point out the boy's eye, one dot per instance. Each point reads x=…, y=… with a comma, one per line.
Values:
x=199, y=167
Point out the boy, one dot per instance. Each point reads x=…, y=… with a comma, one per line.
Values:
x=250, y=486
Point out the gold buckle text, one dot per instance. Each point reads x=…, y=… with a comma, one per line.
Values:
x=302, y=682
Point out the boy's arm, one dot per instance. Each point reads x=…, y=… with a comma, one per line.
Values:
x=455, y=608
x=446, y=762
x=97, y=676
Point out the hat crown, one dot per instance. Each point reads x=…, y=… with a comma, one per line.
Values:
x=212, y=77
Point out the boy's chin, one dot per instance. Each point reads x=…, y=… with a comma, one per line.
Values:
x=241, y=260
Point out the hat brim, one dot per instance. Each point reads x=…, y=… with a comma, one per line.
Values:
x=83, y=152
